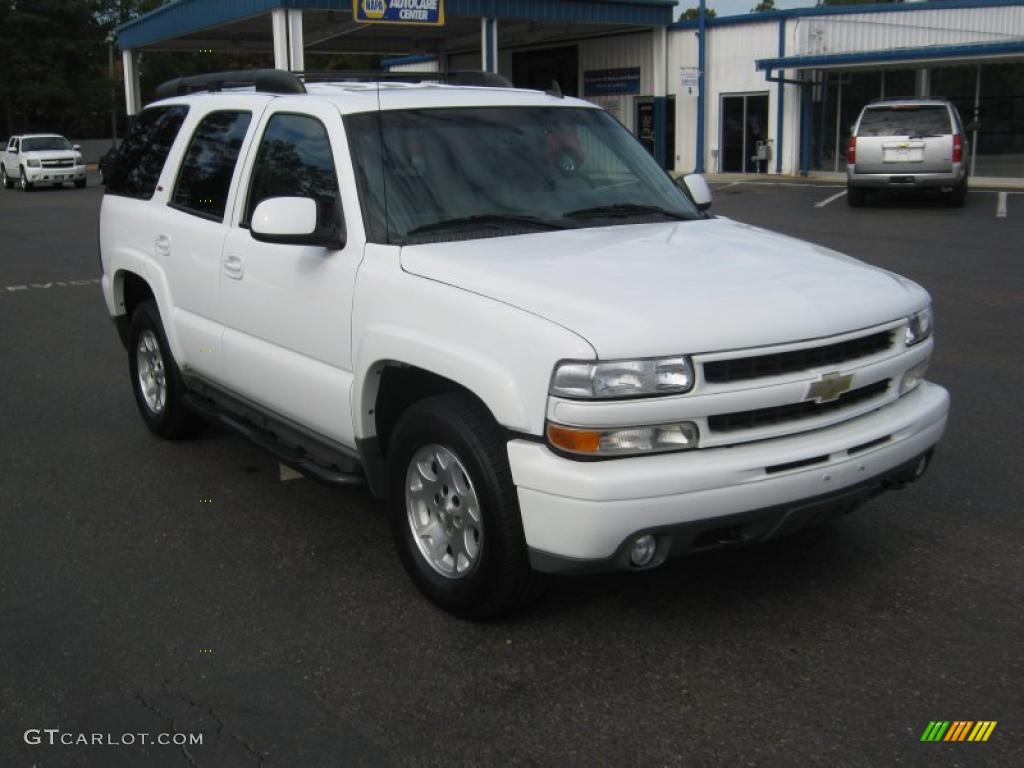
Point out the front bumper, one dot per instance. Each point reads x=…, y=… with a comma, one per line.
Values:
x=55, y=175
x=904, y=178
x=580, y=516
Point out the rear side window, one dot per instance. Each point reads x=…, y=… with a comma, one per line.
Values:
x=205, y=175
x=141, y=157
x=295, y=160
x=912, y=120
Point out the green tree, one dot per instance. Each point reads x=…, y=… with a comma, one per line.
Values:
x=692, y=14
x=52, y=58
x=764, y=6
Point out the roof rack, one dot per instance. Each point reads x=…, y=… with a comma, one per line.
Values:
x=471, y=77
x=883, y=99
x=280, y=81
x=265, y=80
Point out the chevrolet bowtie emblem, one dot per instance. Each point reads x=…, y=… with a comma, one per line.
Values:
x=829, y=387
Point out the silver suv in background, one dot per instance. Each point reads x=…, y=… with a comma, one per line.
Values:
x=907, y=144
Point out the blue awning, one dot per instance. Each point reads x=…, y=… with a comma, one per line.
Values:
x=185, y=17
x=931, y=54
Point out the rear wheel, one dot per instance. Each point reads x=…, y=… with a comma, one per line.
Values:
x=855, y=197
x=958, y=196
x=454, y=509
x=156, y=381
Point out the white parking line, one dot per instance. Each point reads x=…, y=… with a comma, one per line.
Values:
x=1001, y=206
x=828, y=200
x=733, y=184
x=43, y=286
x=287, y=473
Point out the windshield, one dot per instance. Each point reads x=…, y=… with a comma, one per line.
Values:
x=43, y=143
x=905, y=120
x=476, y=172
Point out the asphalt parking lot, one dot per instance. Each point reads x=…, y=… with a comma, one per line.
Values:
x=151, y=587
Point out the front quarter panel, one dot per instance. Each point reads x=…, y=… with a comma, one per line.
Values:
x=502, y=354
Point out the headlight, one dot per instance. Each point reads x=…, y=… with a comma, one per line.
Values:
x=624, y=441
x=919, y=327
x=622, y=378
x=32, y=163
x=79, y=160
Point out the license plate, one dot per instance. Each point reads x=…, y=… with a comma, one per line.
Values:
x=903, y=155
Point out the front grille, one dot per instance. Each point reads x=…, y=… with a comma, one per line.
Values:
x=782, y=414
x=58, y=163
x=724, y=371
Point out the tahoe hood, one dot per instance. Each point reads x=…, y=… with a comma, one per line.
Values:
x=680, y=287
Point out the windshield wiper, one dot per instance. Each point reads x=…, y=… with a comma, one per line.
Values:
x=496, y=220
x=623, y=209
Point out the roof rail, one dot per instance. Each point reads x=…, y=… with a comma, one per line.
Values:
x=264, y=80
x=472, y=77
x=883, y=99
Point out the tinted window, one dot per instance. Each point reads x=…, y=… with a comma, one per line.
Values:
x=205, y=174
x=44, y=143
x=294, y=160
x=484, y=171
x=911, y=120
x=141, y=157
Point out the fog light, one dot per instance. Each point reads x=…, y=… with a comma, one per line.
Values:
x=913, y=377
x=643, y=550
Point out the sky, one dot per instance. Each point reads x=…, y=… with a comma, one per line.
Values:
x=732, y=7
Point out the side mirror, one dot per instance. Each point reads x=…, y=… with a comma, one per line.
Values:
x=695, y=188
x=76, y=147
x=293, y=221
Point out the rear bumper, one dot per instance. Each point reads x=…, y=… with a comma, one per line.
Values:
x=580, y=516
x=904, y=178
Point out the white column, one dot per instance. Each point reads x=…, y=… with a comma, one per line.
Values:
x=132, y=91
x=279, y=24
x=296, y=54
x=659, y=61
x=489, y=44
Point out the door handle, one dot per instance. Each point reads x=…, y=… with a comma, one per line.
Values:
x=163, y=245
x=234, y=267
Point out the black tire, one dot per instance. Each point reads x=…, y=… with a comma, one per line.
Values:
x=26, y=185
x=501, y=580
x=855, y=197
x=172, y=420
x=8, y=182
x=80, y=183
x=958, y=197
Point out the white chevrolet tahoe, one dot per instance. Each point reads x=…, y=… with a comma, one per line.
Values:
x=41, y=158
x=494, y=308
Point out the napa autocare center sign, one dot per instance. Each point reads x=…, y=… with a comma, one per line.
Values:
x=429, y=12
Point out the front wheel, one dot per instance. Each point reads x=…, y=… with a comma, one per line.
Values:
x=156, y=381
x=25, y=184
x=79, y=183
x=454, y=509
x=7, y=181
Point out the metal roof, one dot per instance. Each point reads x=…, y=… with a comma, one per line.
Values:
x=930, y=53
x=185, y=17
x=843, y=10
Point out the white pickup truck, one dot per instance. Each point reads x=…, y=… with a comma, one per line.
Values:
x=493, y=307
x=41, y=158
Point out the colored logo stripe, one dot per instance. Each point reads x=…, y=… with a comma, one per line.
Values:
x=958, y=730
x=982, y=730
x=935, y=730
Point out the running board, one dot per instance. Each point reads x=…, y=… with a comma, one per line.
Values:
x=302, y=453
